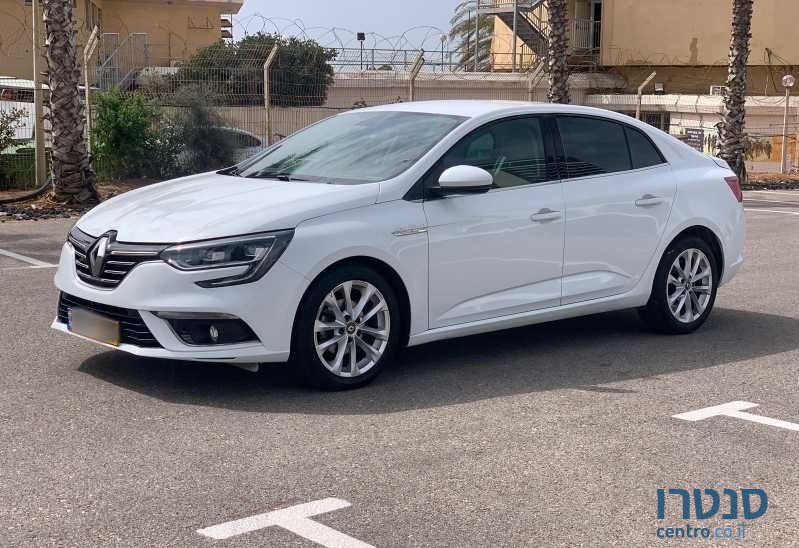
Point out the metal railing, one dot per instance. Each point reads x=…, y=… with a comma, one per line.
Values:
x=489, y=6
x=585, y=34
x=120, y=61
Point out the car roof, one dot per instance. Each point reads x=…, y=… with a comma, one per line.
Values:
x=478, y=108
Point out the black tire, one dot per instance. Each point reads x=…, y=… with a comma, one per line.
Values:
x=304, y=358
x=657, y=313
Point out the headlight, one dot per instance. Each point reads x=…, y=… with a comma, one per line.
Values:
x=258, y=252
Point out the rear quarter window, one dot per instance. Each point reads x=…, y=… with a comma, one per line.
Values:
x=643, y=152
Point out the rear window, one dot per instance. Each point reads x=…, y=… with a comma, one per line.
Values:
x=592, y=146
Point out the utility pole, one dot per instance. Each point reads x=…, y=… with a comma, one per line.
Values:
x=38, y=100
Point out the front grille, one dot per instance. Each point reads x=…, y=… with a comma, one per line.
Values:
x=132, y=329
x=119, y=260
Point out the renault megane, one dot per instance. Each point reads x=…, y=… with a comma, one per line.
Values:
x=403, y=224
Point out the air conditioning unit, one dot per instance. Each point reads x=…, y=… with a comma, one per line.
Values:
x=719, y=91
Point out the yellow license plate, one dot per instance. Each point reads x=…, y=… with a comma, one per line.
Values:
x=93, y=326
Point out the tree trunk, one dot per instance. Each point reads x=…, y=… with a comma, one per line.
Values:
x=557, y=55
x=73, y=178
x=733, y=140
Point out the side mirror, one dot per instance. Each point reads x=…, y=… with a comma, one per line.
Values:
x=464, y=180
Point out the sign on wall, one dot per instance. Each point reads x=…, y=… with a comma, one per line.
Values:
x=695, y=138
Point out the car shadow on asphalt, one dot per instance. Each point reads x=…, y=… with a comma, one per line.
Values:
x=584, y=353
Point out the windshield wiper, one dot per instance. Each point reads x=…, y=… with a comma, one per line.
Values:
x=274, y=175
x=232, y=171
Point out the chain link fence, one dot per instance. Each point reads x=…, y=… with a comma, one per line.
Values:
x=255, y=92
x=17, y=135
x=231, y=100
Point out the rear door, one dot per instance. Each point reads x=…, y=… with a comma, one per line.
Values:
x=500, y=252
x=618, y=191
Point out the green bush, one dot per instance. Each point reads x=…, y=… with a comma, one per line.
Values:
x=134, y=138
x=18, y=169
x=300, y=75
x=193, y=129
x=10, y=120
x=126, y=140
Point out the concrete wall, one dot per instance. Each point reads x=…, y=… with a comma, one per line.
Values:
x=176, y=29
x=16, y=27
x=680, y=32
x=693, y=32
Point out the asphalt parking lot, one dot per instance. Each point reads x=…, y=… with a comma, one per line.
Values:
x=550, y=435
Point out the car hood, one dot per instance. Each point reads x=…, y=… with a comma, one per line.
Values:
x=211, y=205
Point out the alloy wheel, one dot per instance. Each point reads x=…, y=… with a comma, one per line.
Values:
x=352, y=328
x=689, y=285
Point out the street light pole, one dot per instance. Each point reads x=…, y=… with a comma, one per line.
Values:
x=361, y=39
x=788, y=81
x=443, y=56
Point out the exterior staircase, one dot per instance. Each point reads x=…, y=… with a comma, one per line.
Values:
x=531, y=26
x=119, y=62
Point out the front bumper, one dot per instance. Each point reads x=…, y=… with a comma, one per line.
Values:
x=267, y=306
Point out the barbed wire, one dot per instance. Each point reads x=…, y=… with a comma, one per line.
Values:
x=425, y=37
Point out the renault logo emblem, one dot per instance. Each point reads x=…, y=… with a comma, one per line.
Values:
x=97, y=256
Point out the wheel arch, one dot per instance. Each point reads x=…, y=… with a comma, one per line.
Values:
x=710, y=237
x=382, y=268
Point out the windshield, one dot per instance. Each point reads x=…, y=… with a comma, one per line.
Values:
x=359, y=147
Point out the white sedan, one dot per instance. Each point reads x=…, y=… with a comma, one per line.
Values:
x=404, y=224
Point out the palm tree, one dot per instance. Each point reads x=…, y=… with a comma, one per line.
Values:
x=73, y=178
x=462, y=35
x=733, y=139
x=557, y=55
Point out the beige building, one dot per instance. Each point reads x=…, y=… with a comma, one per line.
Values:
x=172, y=30
x=685, y=41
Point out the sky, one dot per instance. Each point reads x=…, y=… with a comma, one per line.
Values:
x=378, y=18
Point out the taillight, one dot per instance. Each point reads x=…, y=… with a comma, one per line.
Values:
x=735, y=186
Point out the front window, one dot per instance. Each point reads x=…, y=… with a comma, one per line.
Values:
x=358, y=147
x=513, y=151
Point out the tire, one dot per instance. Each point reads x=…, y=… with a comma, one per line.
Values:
x=322, y=357
x=658, y=312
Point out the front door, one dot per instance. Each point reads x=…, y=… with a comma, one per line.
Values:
x=500, y=252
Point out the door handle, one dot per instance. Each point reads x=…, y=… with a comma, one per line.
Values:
x=545, y=215
x=648, y=200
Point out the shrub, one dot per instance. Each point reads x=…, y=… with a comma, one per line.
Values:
x=300, y=75
x=124, y=135
x=193, y=128
x=10, y=120
x=18, y=169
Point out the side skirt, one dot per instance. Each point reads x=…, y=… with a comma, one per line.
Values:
x=584, y=308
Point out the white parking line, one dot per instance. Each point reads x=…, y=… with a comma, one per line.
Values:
x=29, y=260
x=780, y=192
x=295, y=519
x=736, y=410
x=758, y=200
x=772, y=210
